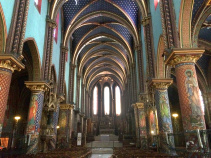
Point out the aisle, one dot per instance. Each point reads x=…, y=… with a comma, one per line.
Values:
x=101, y=155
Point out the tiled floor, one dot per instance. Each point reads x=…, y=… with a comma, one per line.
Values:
x=101, y=155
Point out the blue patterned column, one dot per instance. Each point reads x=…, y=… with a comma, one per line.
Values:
x=163, y=111
x=35, y=114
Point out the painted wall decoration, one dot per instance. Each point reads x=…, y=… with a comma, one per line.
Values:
x=32, y=114
x=194, y=99
x=191, y=109
x=142, y=122
x=152, y=120
x=35, y=113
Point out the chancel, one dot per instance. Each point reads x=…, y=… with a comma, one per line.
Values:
x=105, y=78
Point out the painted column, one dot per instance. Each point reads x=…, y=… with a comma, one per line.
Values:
x=86, y=103
x=136, y=125
x=191, y=109
x=35, y=114
x=78, y=92
x=160, y=87
x=8, y=64
x=71, y=89
x=142, y=125
x=65, y=124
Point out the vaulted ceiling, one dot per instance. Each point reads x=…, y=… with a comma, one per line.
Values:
x=103, y=34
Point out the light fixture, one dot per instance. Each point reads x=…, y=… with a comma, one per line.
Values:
x=175, y=115
x=17, y=118
x=57, y=127
x=152, y=132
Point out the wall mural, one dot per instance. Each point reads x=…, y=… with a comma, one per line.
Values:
x=32, y=114
x=192, y=90
x=152, y=121
x=165, y=112
x=142, y=122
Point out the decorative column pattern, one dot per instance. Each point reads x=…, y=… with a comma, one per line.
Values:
x=160, y=87
x=191, y=109
x=18, y=28
x=35, y=114
x=78, y=92
x=65, y=123
x=8, y=64
x=86, y=103
x=149, y=46
x=140, y=67
x=64, y=51
x=82, y=99
x=71, y=88
x=134, y=83
x=142, y=125
x=51, y=24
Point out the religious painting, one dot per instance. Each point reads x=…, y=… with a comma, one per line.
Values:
x=32, y=114
x=192, y=90
x=63, y=121
x=142, y=122
x=152, y=122
x=165, y=112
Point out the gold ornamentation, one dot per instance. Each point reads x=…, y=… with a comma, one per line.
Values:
x=160, y=83
x=140, y=105
x=146, y=20
x=37, y=86
x=178, y=56
x=11, y=63
x=208, y=3
x=66, y=106
x=51, y=23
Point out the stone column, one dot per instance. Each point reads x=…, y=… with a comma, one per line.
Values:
x=8, y=63
x=35, y=113
x=160, y=87
x=86, y=103
x=141, y=115
x=65, y=123
x=192, y=116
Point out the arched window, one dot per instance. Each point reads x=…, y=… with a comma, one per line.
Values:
x=95, y=100
x=156, y=3
x=202, y=100
x=38, y=3
x=106, y=100
x=118, y=100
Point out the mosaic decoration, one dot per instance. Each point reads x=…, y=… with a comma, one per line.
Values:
x=192, y=115
x=5, y=79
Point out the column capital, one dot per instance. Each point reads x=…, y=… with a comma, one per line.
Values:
x=140, y=105
x=178, y=56
x=10, y=62
x=66, y=106
x=146, y=20
x=52, y=23
x=73, y=66
x=61, y=98
x=37, y=85
x=64, y=48
x=160, y=83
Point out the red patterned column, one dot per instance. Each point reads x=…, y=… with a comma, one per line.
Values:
x=8, y=64
x=136, y=125
x=192, y=115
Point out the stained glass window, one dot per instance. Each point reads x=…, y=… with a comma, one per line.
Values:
x=95, y=100
x=156, y=2
x=202, y=101
x=118, y=100
x=38, y=3
x=106, y=100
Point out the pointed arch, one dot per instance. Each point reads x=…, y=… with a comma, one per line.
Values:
x=35, y=58
x=3, y=31
x=160, y=59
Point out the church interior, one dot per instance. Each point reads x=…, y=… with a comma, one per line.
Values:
x=105, y=78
